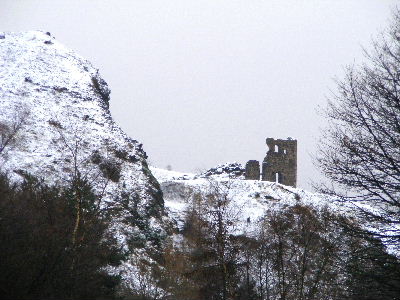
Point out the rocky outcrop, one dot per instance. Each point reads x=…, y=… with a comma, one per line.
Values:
x=61, y=105
x=231, y=170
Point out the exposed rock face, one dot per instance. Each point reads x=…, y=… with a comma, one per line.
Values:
x=231, y=170
x=62, y=103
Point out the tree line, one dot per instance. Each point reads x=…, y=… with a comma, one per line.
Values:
x=296, y=253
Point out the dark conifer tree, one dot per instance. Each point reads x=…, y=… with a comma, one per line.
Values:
x=39, y=259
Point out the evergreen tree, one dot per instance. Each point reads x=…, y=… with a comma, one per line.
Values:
x=39, y=257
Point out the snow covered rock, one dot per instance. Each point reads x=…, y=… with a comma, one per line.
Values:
x=60, y=102
x=228, y=170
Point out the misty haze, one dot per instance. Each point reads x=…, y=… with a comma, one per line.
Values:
x=200, y=150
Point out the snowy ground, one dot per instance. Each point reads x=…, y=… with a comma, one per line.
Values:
x=250, y=198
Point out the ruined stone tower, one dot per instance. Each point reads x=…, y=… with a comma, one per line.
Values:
x=279, y=165
x=252, y=171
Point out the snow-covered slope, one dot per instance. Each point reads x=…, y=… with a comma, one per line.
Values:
x=62, y=104
x=251, y=199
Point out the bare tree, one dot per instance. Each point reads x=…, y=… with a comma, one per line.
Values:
x=84, y=170
x=298, y=255
x=360, y=150
x=222, y=217
x=9, y=131
x=209, y=253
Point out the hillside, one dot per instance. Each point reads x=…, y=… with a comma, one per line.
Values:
x=60, y=105
x=250, y=198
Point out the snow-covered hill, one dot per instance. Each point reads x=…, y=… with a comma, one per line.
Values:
x=61, y=103
x=250, y=198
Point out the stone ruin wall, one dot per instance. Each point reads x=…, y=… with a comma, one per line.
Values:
x=279, y=165
x=252, y=171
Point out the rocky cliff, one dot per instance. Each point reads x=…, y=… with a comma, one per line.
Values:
x=57, y=104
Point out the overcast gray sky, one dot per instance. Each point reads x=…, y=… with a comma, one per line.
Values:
x=205, y=82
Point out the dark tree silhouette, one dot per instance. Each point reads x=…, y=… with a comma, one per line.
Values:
x=360, y=155
x=360, y=150
x=39, y=258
